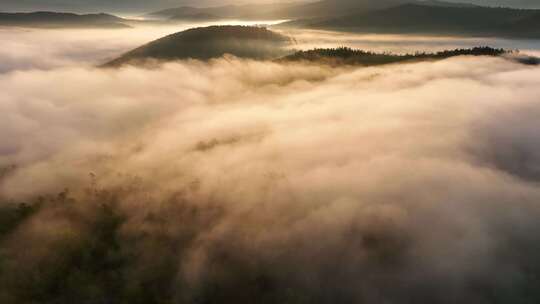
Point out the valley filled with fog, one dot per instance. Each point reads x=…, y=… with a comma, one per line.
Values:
x=235, y=180
x=53, y=48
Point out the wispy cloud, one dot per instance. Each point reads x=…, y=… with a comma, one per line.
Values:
x=384, y=184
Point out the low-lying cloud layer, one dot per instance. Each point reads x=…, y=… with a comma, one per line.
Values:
x=27, y=49
x=240, y=182
x=308, y=39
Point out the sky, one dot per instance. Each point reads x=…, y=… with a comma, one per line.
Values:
x=129, y=6
x=110, y=6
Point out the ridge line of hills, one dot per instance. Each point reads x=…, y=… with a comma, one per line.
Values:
x=422, y=19
x=260, y=43
x=141, y=6
x=383, y=16
x=317, y=9
x=46, y=19
x=364, y=16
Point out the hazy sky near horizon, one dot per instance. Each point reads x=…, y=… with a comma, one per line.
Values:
x=145, y=5
x=113, y=6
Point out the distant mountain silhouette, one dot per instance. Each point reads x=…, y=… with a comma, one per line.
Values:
x=247, y=11
x=329, y=8
x=55, y=19
x=210, y=42
x=301, y=13
x=445, y=3
x=83, y=6
x=429, y=19
x=195, y=16
x=178, y=12
x=318, y=9
x=530, y=4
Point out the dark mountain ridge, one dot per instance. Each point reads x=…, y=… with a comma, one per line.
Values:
x=428, y=19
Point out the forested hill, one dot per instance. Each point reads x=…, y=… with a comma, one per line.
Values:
x=211, y=42
x=348, y=56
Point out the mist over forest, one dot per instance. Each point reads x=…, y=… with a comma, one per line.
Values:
x=187, y=159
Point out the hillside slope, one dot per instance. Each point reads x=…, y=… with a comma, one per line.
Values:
x=211, y=42
x=411, y=18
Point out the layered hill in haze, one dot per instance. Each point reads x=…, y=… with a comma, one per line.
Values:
x=318, y=9
x=531, y=4
x=63, y=20
x=138, y=6
x=124, y=6
x=412, y=18
x=248, y=11
x=211, y=42
x=378, y=16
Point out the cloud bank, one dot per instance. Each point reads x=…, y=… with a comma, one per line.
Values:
x=242, y=181
x=28, y=49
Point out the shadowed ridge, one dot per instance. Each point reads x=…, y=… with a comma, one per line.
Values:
x=210, y=42
x=430, y=19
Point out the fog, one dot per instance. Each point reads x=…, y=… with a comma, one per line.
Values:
x=26, y=49
x=400, y=44
x=241, y=181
